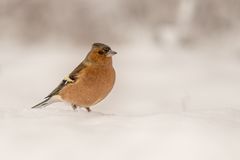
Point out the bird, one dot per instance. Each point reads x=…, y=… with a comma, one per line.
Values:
x=89, y=83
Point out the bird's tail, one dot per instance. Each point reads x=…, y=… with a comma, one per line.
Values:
x=44, y=103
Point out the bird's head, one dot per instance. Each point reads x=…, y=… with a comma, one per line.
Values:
x=101, y=54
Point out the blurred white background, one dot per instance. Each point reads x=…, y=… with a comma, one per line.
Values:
x=177, y=89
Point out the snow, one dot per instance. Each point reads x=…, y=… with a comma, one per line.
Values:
x=168, y=103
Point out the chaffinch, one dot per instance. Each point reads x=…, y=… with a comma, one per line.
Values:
x=89, y=83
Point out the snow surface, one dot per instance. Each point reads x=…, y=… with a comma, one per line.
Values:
x=168, y=103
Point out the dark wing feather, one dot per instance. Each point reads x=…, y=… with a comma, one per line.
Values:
x=74, y=73
x=56, y=90
x=72, y=76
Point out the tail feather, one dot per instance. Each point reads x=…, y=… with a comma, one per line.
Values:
x=44, y=103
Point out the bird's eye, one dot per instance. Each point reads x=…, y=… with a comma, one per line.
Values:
x=106, y=49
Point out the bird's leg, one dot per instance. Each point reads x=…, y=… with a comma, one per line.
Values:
x=74, y=107
x=88, y=109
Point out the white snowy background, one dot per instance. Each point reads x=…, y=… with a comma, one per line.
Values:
x=177, y=89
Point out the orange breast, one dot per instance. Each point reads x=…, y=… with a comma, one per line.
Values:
x=92, y=85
